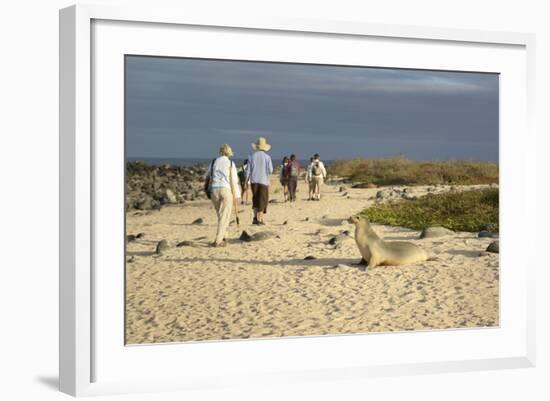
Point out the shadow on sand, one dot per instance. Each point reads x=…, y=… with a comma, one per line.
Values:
x=463, y=252
x=140, y=253
x=329, y=262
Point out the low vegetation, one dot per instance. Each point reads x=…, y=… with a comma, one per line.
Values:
x=462, y=211
x=400, y=171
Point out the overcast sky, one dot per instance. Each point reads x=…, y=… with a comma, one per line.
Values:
x=186, y=108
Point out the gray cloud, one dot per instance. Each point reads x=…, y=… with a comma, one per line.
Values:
x=186, y=107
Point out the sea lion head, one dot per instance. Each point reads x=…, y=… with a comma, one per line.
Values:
x=356, y=219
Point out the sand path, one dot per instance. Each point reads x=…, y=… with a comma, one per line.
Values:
x=266, y=288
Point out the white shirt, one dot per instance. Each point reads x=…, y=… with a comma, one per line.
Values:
x=220, y=175
x=321, y=168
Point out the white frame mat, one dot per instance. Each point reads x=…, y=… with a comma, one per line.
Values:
x=93, y=357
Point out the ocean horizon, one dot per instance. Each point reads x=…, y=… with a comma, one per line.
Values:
x=186, y=162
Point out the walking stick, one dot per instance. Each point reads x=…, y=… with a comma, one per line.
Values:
x=233, y=193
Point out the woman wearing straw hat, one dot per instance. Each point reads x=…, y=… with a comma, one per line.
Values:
x=224, y=190
x=260, y=168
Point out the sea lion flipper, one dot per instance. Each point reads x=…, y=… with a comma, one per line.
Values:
x=362, y=262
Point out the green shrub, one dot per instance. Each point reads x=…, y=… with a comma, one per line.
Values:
x=400, y=171
x=462, y=211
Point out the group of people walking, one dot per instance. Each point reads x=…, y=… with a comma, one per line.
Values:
x=290, y=172
x=227, y=186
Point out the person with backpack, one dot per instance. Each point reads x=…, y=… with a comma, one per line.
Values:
x=318, y=176
x=243, y=182
x=283, y=178
x=221, y=186
x=292, y=172
x=308, y=179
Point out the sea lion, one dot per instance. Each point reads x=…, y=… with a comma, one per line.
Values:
x=378, y=252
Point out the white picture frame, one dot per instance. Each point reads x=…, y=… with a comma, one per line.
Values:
x=84, y=350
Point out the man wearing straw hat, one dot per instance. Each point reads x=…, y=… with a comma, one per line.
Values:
x=260, y=168
x=224, y=190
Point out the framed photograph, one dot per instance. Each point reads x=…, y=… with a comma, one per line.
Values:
x=278, y=200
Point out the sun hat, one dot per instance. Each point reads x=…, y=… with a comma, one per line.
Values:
x=225, y=150
x=261, y=144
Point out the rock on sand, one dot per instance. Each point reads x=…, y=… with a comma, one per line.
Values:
x=260, y=236
x=161, y=247
x=338, y=239
x=487, y=234
x=493, y=247
x=435, y=232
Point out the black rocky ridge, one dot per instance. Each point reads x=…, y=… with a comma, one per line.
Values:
x=150, y=187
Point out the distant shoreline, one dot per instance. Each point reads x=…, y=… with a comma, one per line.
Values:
x=188, y=162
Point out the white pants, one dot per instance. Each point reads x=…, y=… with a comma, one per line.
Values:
x=223, y=203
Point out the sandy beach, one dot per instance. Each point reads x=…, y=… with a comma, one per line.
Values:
x=267, y=289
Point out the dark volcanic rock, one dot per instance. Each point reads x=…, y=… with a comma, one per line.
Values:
x=487, y=234
x=338, y=239
x=149, y=187
x=310, y=257
x=245, y=237
x=198, y=221
x=260, y=236
x=493, y=247
x=161, y=247
x=130, y=238
x=144, y=203
x=140, y=235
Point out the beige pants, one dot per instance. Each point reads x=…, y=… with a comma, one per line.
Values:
x=223, y=203
x=315, y=185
